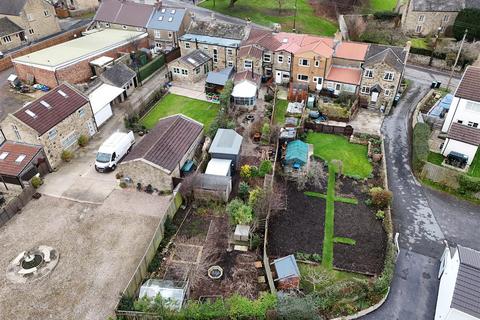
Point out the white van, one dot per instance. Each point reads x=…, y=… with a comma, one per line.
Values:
x=113, y=150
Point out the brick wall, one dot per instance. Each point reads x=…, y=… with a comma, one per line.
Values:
x=77, y=73
x=6, y=62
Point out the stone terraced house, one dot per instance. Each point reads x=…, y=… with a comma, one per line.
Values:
x=55, y=121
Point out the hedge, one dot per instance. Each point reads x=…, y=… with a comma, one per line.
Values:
x=386, y=15
x=467, y=19
x=148, y=69
x=420, y=148
x=428, y=52
x=469, y=184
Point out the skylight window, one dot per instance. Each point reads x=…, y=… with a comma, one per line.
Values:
x=285, y=40
x=20, y=158
x=45, y=104
x=63, y=94
x=163, y=10
x=173, y=11
x=3, y=155
x=170, y=19
x=191, y=60
x=160, y=18
x=30, y=113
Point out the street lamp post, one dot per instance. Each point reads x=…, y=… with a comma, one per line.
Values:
x=295, y=18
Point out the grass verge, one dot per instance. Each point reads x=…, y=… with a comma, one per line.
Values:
x=327, y=252
x=383, y=5
x=280, y=110
x=435, y=158
x=199, y=110
x=440, y=187
x=353, y=156
x=474, y=170
x=344, y=240
x=337, y=199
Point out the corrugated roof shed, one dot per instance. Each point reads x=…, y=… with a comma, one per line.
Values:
x=51, y=109
x=118, y=75
x=226, y=141
x=168, y=142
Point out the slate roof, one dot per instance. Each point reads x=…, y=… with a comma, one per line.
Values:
x=118, y=75
x=464, y=133
x=164, y=19
x=7, y=27
x=217, y=29
x=444, y=5
x=124, y=13
x=167, y=143
x=391, y=55
x=220, y=77
x=9, y=166
x=60, y=107
x=12, y=7
x=195, y=58
x=466, y=296
x=468, y=87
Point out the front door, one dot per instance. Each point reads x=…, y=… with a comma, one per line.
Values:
x=338, y=86
x=318, y=83
x=278, y=77
x=91, y=127
x=374, y=97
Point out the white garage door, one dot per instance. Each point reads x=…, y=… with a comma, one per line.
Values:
x=103, y=114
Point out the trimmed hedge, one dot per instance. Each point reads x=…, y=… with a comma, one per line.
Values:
x=420, y=149
x=148, y=69
x=386, y=15
x=469, y=184
x=428, y=52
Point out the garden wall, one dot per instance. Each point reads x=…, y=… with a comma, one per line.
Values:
x=441, y=175
x=141, y=271
x=423, y=60
x=325, y=128
x=10, y=209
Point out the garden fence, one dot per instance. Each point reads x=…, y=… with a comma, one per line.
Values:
x=148, y=69
x=172, y=55
x=11, y=208
x=442, y=175
x=328, y=128
x=142, y=269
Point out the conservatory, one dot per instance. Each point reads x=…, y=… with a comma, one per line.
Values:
x=245, y=94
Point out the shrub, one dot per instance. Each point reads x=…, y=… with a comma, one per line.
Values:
x=266, y=130
x=420, y=148
x=380, y=198
x=67, y=155
x=36, y=182
x=255, y=241
x=239, y=212
x=380, y=215
x=243, y=190
x=468, y=184
x=254, y=196
x=123, y=184
x=233, y=206
x=82, y=140
x=266, y=167
x=246, y=171
x=268, y=98
x=386, y=15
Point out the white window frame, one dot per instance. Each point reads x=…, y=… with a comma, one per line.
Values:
x=52, y=134
x=365, y=90
x=31, y=31
x=17, y=132
x=107, y=25
x=170, y=34
x=229, y=51
x=7, y=39
x=267, y=55
x=197, y=70
x=124, y=27
x=387, y=93
x=472, y=106
x=46, y=13
x=389, y=76
x=301, y=62
x=300, y=77
x=418, y=29
x=70, y=140
x=246, y=63
x=280, y=58
x=205, y=47
x=187, y=45
x=157, y=34
x=229, y=63
x=30, y=17
x=368, y=73
x=184, y=72
x=421, y=18
x=446, y=18
x=289, y=59
x=176, y=70
x=215, y=55
x=317, y=63
x=472, y=124
x=81, y=112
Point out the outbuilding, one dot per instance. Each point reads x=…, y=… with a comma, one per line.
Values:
x=173, y=293
x=219, y=167
x=226, y=145
x=296, y=155
x=245, y=94
x=101, y=100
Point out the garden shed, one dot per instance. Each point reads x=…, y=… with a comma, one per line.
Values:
x=226, y=145
x=296, y=155
x=216, y=80
x=172, y=292
x=287, y=272
x=245, y=94
x=208, y=187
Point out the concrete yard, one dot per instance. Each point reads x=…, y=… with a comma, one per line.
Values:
x=99, y=247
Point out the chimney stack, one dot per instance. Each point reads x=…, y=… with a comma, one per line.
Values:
x=158, y=4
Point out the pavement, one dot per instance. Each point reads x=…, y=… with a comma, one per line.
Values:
x=11, y=99
x=424, y=218
x=367, y=121
x=194, y=92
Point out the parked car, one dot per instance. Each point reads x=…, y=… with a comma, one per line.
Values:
x=112, y=151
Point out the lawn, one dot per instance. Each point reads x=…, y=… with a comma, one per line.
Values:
x=475, y=166
x=280, y=110
x=420, y=43
x=435, y=158
x=199, y=110
x=383, y=5
x=265, y=12
x=353, y=156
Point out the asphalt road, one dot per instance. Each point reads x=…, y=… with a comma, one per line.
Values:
x=424, y=218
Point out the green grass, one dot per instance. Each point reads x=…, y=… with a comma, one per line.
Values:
x=444, y=188
x=435, y=158
x=337, y=199
x=201, y=111
x=474, y=170
x=280, y=110
x=383, y=5
x=420, y=43
x=327, y=252
x=265, y=12
x=344, y=240
x=353, y=156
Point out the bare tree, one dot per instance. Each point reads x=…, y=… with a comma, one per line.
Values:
x=280, y=4
x=317, y=278
x=316, y=174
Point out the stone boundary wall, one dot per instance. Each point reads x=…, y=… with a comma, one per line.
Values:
x=416, y=112
x=442, y=175
x=10, y=209
x=422, y=60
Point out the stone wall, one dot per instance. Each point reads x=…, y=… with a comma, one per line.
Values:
x=14, y=43
x=162, y=37
x=144, y=173
x=73, y=124
x=224, y=54
x=257, y=64
x=378, y=74
x=38, y=16
x=282, y=66
x=192, y=76
x=436, y=63
x=441, y=175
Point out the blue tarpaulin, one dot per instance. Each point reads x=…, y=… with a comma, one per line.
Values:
x=296, y=153
x=441, y=106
